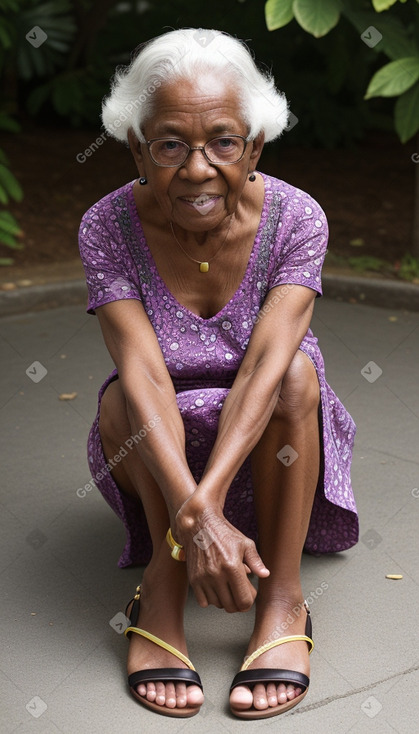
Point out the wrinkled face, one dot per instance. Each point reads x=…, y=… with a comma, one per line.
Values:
x=196, y=112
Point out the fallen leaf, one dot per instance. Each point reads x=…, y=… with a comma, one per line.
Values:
x=68, y=395
x=357, y=242
x=395, y=576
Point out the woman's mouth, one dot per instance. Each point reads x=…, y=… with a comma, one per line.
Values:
x=202, y=203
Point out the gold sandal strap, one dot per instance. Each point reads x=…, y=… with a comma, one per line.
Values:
x=161, y=643
x=274, y=643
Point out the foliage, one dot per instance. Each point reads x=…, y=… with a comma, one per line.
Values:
x=408, y=268
x=9, y=186
x=394, y=34
x=68, y=75
x=361, y=263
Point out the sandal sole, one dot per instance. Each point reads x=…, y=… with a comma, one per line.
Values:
x=176, y=713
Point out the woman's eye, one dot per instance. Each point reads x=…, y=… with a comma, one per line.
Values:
x=225, y=142
x=170, y=145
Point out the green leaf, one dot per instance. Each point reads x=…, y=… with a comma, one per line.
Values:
x=8, y=240
x=5, y=39
x=38, y=97
x=380, y=5
x=394, y=78
x=406, y=114
x=9, y=224
x=317, y=17
x=10, y=184
x=7, y=123
x=6, y=261
x=395, y=42
x=278, y=13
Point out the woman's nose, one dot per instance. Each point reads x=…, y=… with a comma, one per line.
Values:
x=197, y=167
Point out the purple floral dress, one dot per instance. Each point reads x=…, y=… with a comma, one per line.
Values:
x=204, y=355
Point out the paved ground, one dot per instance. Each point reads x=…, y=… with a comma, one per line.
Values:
x=62, y=667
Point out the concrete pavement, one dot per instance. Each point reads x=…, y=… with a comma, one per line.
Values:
x=63, y=657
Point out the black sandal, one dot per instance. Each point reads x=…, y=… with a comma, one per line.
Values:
x=273, y=675
x=189, y=676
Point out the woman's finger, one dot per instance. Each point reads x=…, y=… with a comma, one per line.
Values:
x=243, y=592
x=200, y=596
x=253, y=560
x=212, y=596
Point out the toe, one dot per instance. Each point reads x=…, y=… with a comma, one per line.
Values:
x=291, y=692
x=194, y=696
x=241, y=697
x=151, y=692
x=142, y=689
x=260, y=700
x=281, y=693
x=180, y=695
x=160, y=693
x=170, y=695
x=271, y=694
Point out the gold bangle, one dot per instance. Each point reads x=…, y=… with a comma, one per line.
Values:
x=175, y=547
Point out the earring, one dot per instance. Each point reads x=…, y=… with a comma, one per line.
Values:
x=142, y=181
x=252, y=177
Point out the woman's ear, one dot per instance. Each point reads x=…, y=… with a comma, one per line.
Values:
x=135, y=147
x=258, y=144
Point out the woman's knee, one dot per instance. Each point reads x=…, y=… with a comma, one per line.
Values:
x=113, y=419
x=300, y=390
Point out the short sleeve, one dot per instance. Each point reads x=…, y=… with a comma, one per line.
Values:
x=106, y=258
x=301, y=241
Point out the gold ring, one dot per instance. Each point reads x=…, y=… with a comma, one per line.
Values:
x=176, y=548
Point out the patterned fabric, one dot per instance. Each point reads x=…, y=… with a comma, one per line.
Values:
x=203, y=355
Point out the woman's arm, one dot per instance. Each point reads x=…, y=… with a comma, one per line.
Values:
x=149, y=391
x=245, y=415
x=253, y=396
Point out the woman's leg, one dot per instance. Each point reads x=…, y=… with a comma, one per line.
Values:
x=284, y=493
x=164, y=581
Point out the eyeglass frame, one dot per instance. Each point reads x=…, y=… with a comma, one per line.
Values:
x=198, y=147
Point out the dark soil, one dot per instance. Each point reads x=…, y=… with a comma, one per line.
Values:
x=367, y=193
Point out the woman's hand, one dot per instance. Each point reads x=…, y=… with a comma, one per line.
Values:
x=219, y=558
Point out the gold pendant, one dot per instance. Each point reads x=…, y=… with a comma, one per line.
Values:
x=203, y=267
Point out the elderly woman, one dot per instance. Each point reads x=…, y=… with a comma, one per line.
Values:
x=218, y=441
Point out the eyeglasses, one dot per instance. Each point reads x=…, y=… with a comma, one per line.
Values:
x=223, y=151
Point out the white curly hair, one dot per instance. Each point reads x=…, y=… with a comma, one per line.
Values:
x=184, y=54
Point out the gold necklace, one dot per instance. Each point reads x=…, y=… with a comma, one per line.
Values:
x=203, y=264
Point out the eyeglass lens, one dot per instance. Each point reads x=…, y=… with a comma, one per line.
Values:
x=221, y=150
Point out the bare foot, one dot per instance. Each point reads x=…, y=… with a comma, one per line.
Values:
x=144, y=654
x=274, y=623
